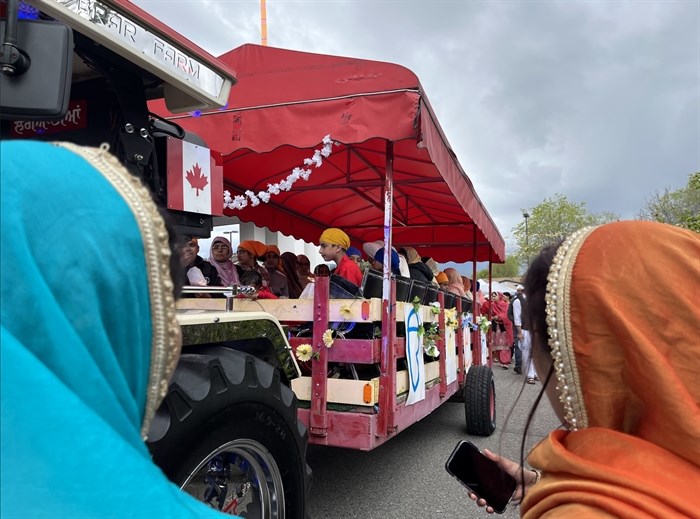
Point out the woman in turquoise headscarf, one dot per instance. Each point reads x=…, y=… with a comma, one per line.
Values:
x=89, y=337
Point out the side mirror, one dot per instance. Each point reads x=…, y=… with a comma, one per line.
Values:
x=43, y=91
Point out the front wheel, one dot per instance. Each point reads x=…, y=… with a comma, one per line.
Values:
x=480, y=401
x=228, y=434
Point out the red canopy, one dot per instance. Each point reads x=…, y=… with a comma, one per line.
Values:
x=285, y=102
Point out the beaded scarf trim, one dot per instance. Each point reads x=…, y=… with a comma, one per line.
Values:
x=165, y=340
x=558, y=310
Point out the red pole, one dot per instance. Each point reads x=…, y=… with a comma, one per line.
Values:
x=318, y=419
x=476, y=339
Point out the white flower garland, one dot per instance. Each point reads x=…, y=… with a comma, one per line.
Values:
x=241, y=201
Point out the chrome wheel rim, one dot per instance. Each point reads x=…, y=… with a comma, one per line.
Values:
x=239, y=478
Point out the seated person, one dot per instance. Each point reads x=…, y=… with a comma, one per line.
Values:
x=322, y=271
x=290, y=265
x=418, y=270
x=371, y=249
x=276, y=279
x=442, y=280
x=220, y=259
x=196, y=271
x=333, y=246
x=378, y=262
x=247, y=254
x=304, y=270
x=354, y=254
x=455, y=285
x=254, y=279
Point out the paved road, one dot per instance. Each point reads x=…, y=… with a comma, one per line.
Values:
x=405, y=478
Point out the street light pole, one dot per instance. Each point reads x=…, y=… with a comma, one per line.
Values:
x=526, y=215
x=230, y=235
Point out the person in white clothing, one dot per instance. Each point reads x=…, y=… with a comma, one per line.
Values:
x=524, y=339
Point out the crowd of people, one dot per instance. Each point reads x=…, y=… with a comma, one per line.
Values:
x=286, y=275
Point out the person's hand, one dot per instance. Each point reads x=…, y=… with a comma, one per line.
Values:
x=520, y=335
x=187, y=255
x=512, y=468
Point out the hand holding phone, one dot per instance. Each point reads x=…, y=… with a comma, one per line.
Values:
x=481, y=475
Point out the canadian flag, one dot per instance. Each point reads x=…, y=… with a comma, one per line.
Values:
x=195, y=178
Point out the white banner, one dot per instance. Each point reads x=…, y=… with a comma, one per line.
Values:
x=467, y=341
x=414, y=356
x=451, y=354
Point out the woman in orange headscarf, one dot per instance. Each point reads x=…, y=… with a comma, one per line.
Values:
x=621, y=371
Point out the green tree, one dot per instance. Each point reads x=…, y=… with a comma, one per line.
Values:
x=680, y=207
x=550, y=221
x=508, y=269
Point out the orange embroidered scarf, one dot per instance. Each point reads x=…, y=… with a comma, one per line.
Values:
x=623, y=306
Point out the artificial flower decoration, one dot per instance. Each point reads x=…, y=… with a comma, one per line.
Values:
x=241, y=201
x=304, y=352
x=345, y=311
x=431, y=350
x=328, y=338
x=451, y=318
x=416, y=304
x=483, y=323
x=430, y=333
x=435, y=307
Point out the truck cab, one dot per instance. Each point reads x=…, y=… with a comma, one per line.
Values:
x=84, y=71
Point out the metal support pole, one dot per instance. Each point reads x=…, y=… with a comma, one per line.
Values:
x=476, y=340
x=387, y=393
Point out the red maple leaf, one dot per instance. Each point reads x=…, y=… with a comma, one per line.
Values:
x=196, y=179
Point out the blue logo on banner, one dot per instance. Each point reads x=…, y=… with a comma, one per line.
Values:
x=413, y=357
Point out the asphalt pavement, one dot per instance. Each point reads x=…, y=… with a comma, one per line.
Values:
x=405, y=478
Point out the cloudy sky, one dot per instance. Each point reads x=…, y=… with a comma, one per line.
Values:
x=596, y=100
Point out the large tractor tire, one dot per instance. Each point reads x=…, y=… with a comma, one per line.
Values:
x=227, y=433
x=480, y=401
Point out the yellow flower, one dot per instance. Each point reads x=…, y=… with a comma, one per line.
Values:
x=328, y=338
x=304, y=352
x=346, y=311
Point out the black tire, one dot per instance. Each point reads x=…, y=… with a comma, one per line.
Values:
x=480, y=401
x=227, y=400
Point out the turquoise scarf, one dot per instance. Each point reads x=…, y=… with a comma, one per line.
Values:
x=76, y=346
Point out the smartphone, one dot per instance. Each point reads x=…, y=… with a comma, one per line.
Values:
x=481, y=475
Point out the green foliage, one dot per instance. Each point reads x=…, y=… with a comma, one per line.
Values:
x=680, y=207
x=551, y=221
x=510, y=268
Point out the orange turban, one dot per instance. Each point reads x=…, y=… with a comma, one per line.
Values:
x=272, y=248
x=627, y=374
x=335, y=236
x=442, y=278
x=255, y=247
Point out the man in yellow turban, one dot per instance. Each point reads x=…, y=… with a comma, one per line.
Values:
x=333, y=246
